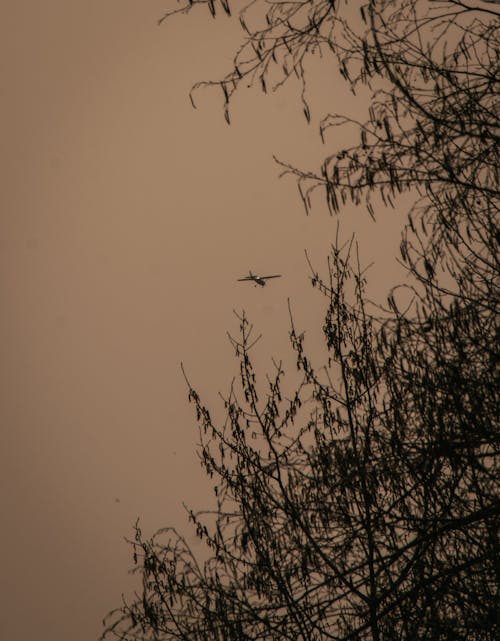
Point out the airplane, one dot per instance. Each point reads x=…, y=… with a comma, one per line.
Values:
x=259, y=280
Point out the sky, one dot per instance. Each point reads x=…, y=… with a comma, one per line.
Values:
x=126, y=217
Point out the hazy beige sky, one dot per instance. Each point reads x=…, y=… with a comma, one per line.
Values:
x=126, y=218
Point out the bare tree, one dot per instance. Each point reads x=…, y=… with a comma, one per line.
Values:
x=363, y=502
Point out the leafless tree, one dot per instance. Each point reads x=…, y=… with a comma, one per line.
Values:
x=362, y=503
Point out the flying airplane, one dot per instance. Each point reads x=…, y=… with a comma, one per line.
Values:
x=259, y=280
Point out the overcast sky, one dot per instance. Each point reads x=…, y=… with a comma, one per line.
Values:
x=126, y=217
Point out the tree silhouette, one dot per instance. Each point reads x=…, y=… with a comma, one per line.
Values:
x=363, y=504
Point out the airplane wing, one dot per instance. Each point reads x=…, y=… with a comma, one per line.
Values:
x=247, y=278
x=273, y=276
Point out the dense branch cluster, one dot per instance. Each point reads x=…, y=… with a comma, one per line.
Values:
x=363, y=504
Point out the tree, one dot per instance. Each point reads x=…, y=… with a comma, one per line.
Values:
x=363, y=504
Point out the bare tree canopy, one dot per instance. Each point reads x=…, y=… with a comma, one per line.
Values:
x=362, y=503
